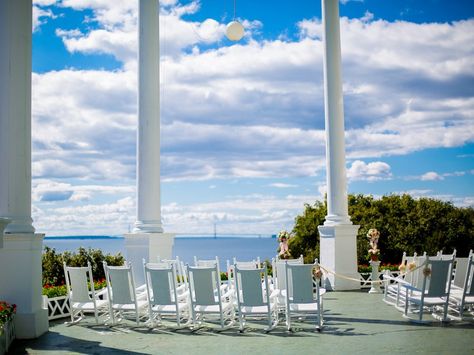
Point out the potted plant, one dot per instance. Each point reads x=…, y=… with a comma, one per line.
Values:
x=7, y=329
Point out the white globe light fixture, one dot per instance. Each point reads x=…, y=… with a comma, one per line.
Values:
x=235, y=31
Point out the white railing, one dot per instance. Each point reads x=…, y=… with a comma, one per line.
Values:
x=58, y=307
x=366, y=277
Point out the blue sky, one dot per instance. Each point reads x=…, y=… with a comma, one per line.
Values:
x=243, y=123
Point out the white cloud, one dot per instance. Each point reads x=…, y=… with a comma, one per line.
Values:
x=254, y=109
x=281, y=185
x=368, y=16
x=237, y=214
x=106, y=218
x=431, y=176
x=459, y=201
x=44, y=2
x=44, y=189
x=310, y=28
x=373, y=171
x=40, y=16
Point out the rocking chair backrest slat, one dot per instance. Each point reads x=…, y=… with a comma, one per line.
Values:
x=469, y=280
x=439, y=277
x=460, y=272
x=281, y=273
x=300, y=283
x=161, y=281
x=247, y=265
x=417, y=280
x=249, y=286
x=409, y=275
x=204, y=285
x=78, y=278
x=207, y=263
x=121, y=285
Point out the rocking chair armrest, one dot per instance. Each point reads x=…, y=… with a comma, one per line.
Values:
x=228, y=294
x=410, y=287
x=224, y=287
x=275, y=293
x=183, y=295
x=141, y=288
x=101, y=292
x=392, y=278
x=181, y=288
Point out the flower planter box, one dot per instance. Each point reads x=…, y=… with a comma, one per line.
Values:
x=7, y=334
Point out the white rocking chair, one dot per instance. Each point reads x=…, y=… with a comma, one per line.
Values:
x=435, y=288
x=279, y=277
x=303, y=293
x=165, y=297
x=460, y=298
x=207, y=297
x=123, y=298
x=81, y=293
x=255, y=298
x=411, y=277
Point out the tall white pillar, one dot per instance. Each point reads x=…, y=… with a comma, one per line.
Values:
x=20, y=256
x=147, y=239
x=338, y=250
x=148, y=140
x=15, y=115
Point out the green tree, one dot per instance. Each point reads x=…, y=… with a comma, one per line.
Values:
x=405, y=224
x=53, y=270
x=306, y=236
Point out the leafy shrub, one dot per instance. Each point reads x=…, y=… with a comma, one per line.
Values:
x=53, y=270
x=364, y=268
x=54, y=291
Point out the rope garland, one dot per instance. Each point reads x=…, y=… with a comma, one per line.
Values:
x=329, y=271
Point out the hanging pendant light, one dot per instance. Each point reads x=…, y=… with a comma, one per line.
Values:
x=235, y=30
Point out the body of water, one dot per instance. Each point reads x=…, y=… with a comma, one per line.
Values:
x=226, y=247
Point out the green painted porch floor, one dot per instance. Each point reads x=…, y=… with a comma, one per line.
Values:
x=355, y=323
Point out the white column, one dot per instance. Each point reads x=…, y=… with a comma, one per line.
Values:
x=334, y=118
x=15, y=115
x=338, y=235
x=148, y=144
x=20, y=257
x=147, y=241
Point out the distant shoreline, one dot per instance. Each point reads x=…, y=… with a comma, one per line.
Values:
x=180, y=236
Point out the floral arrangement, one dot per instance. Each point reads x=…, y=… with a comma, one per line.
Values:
x=318, y=273
x=6, y=313
x=284, y=234
x=411, y=266
x=373, y=236
x=283, y=250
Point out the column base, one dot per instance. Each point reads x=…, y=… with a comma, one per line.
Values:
x=338, y=253
x=147, y=227
x=20, y=280
x=148, y=246
x=31, y=325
